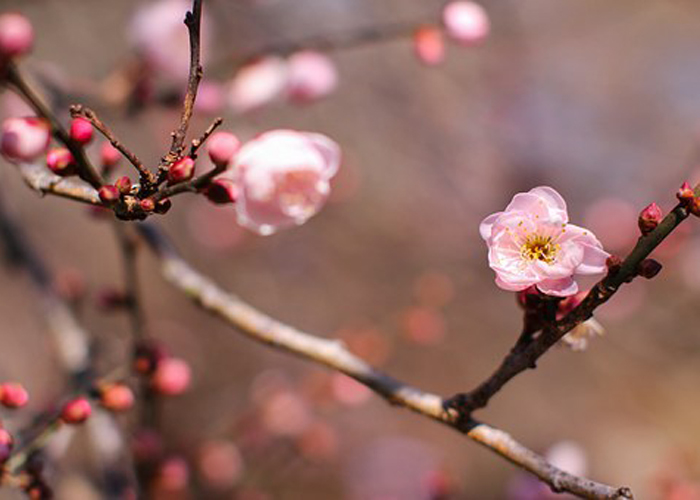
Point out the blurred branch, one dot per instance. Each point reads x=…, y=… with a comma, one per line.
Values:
x=520, y=359
x=333, y=354
x=41, y=180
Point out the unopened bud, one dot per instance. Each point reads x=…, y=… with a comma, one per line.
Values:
x=685, y=194
x=123, y=184
x=81, y=131
x=61, y=162
x=109, y=194
x=16, y=35
x=109, y=155
x=181, y=171
x=649, y=268
x=116, y=397
x=222, y=146
x=76, y=411
x=221, y=191
x=649, y=218
x=147, y=205
x=171, y=377
x=147, y=356
x=24, y=139
x=13, y=395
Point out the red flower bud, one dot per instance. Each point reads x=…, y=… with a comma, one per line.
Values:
x=6, y=444
x=81, y=131
x=649, y=218
x=61, y=162
x=171, y=377
x=649, y=268
x=108, y=194
x=685, y=194
x=76, y=411
x=13, y=395
x=147, y=205
x=221, y=191
x=116, y=397
x=181, y=171
x=123, y=184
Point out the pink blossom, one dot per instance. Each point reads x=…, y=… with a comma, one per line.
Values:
x=532, y=243
x=258, y=83
x=312, y=75
x=284, y=178
x=24, y=139
x=16, y=35
x=158, y=33
x=429, y=45
x=466, y=22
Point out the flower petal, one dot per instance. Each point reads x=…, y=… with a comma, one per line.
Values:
x=487, y=224
x=559, y=288
x=556, y=206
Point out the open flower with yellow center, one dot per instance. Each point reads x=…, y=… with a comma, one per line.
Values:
x=532, y=243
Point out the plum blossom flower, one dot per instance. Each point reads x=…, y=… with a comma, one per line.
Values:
x=532, y=243
x=283, y=177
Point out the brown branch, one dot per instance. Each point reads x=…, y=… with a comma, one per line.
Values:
x=41, y=180
x=519, y=360
x=197, y=143
x=333, y=354
x=87, y=171
x=128, y=248
x=193, y=21
x=77, y=110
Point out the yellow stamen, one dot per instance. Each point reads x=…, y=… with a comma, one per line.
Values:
x=537, y=247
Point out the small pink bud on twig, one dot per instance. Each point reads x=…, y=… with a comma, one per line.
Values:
x=7, y=442
x=61, y=162
x=109, y=155
x=76, y=411
x=16, y=35
x=13, y=395
x=181, y=171
x=649, y=268
x=685, y=194
x=81, y=131
x=429, y=45
x=649, y=218
x=221, y=191
x=222, y=146
x=171, y=377
x=147, y=205
x=123, y=184
x=116, y=397
x=109, y=194
x=24, y=139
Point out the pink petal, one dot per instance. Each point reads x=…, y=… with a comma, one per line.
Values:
x=528, y=203
x=487, y=225
x=594, y=260
x=556, y=206
x=511, y=286
x=558, y=288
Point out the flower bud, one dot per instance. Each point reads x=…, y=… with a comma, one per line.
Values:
x=181, y=171
x=222, y=146
x=649, y=218
x=466, y=22
x=221, y=191
x=116, y=397
x=109, y=155
x=123, y=184
x=13, y=395
x=6, y=444
x=24, y=139
x=108, y=194
x=76, y=411
x=685, y=194
x=163, y=206
x=694, y=207
x=649, y=268
x=147, y=205
x=81, y=131
x=429, y=45
x=171, y=377
x=61, y=162
x=16, y=36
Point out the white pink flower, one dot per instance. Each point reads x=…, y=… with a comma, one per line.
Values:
x=23, y=140
x=466, y=22
x=532, y=243
x=283, y=177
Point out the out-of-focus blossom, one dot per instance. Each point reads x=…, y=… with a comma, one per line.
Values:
x=434, y=289
x=577, y=339
x=24, y=139
x=532, y=243
x=158, y=33
x=222, y=146
x=76, y=411
x=210, y=98
x=284, y=178
x=466, y=22
x=171, y=377
x=16, y=35
x=311, y=76
x=349, y=391
x=429, y=45
x=258, y=83
x=220, y=464
x=173, y=475
x=613, y=221
x=424, y=325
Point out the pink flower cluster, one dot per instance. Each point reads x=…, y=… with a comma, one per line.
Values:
x=532, y=243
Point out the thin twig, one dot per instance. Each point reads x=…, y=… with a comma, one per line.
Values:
x=333, y=354
x=197, y=143
x=87, y=171
x=77, y=110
